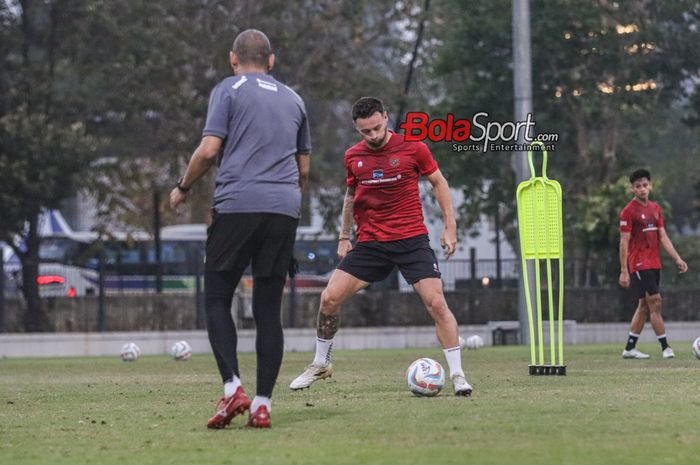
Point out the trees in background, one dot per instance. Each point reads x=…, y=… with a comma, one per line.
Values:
x=45, y=148
x=167, y=55
x=604, y=76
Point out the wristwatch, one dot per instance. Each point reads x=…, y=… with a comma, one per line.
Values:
x=182, y=189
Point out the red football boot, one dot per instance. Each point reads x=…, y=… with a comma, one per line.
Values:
x=229, y=407
x=260, y=418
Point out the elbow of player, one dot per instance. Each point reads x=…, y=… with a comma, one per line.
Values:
x=208, y=155
x=209, y=148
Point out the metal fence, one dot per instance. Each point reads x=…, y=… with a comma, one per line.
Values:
x=465, y=274
x=457, y=274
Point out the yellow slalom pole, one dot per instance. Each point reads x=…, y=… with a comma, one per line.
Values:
x=550, y=303
x=550, y=297
x=561, y=306
x=528, y=302
x=540, y=341
x=541, y=240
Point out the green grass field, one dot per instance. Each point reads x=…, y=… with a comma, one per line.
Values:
x=606, y=411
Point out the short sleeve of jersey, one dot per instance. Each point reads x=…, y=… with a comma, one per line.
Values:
x=218, y=113
x=425, y=160
x=304, y=137
x=350, y=179
x=661, y=218
x=625, y=221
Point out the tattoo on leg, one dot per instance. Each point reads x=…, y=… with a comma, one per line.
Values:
x=327, y=325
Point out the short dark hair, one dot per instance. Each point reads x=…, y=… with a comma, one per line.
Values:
x=366, y=107
x=639, y=174
x=252, y=48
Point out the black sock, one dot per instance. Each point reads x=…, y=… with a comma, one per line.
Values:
x=663, y=342
x=631, y=341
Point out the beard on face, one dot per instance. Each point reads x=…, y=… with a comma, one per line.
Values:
x=375, y=144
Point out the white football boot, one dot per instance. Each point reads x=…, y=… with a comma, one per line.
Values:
x=634, y=353
x=311, y=374
x=462, y=387
x=668, y=353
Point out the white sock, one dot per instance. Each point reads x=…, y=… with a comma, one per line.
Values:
x=260, y=400
x=231, y=386
x=454, y=360
x=323, y=352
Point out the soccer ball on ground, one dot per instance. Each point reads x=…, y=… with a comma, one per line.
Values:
x=474, y=342
x=181, y=351
x=425, y=377
x=130, y=352
x=696, y=347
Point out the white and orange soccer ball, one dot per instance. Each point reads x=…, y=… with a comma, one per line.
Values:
x=425, y=377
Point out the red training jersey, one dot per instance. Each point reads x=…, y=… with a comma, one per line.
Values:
x=387, y=205
x=643, y=222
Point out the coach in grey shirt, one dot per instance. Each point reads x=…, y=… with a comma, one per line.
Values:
x=257, y=132
x=263, y=124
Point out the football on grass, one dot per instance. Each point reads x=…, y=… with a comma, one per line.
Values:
x=696, y=347
x=130, y=352
x=425, y=377
x=474, y=342
x=181, y=351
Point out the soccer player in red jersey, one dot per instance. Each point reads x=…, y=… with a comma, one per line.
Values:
x=641, y=232
x=382, y=197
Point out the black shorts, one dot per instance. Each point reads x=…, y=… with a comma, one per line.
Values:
x=373, y=261
x=236, y=239
x=645, y=282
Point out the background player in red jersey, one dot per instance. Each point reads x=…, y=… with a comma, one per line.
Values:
x=641, y=232
x=382, y=197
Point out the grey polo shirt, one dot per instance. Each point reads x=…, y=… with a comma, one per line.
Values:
x=263, y=124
